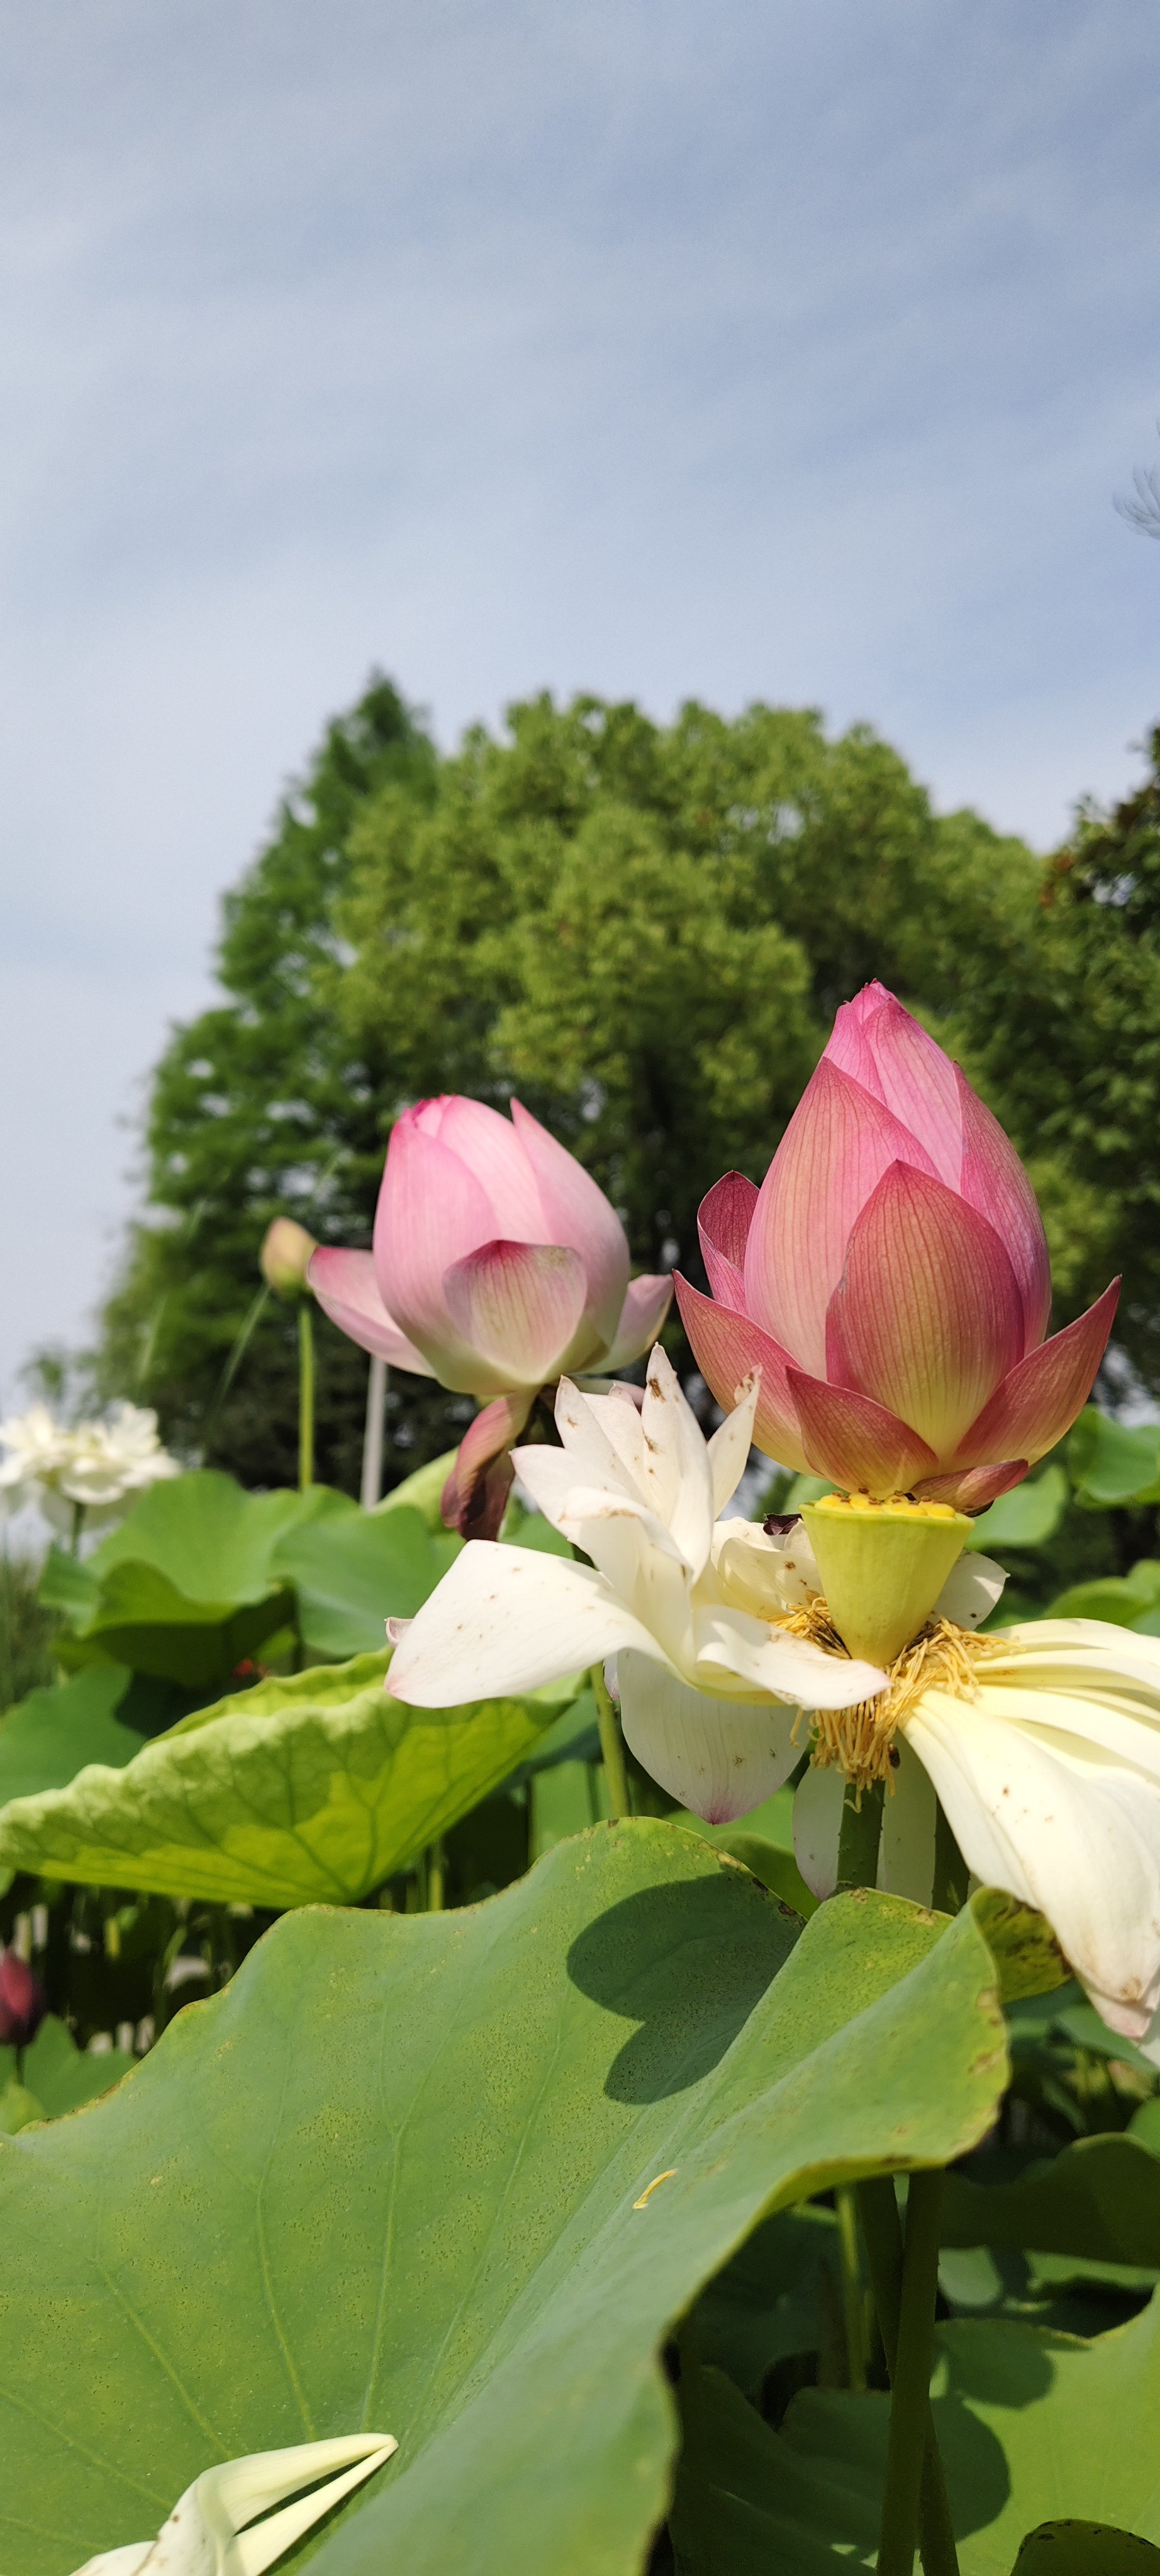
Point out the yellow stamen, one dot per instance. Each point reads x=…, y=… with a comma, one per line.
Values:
x=858, y=1740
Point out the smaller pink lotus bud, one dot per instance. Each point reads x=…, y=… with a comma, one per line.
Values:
x=284, y=1256
x=23, y=2002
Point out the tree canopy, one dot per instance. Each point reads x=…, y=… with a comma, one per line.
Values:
x=643, y=930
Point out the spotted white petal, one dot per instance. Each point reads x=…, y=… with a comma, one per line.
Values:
x=677, y=1475
x=207, y=2534
x=719, y=1757
x=763, y=1574
x=762, y=1659
x=732, y=1441
x=817, y=1822
x=506, y=1619
x=604, y=1448
x=909, y=1817
x=971, y=1590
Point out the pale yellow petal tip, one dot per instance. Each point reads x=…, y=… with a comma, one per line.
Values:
x=212, y=2530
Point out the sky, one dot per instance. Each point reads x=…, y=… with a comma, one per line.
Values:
x=737, y=351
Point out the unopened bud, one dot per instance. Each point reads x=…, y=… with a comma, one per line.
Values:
x=285, y=1254
x=23, y=2003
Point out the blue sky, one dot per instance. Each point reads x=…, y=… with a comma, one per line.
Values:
x=790, y=352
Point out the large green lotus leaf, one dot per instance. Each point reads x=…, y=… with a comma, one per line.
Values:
x=1085, y=2549
x=1034, y=2428
x=1124, y=1600
x=56, y=2076
x=352, y=1570
x=1112, y=1462
x=314, y=1787
x=48, y=1737
x=142, y=1620
x=453, y=2177
x=210, y=1538
x=1026, y=1517
x=1099, y=2200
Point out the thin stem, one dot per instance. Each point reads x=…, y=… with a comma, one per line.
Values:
x=611, y=1746
x=950, y=1869
x=436, y=1877
x=882, y=2237
x=372, y=1457
x=78, y=1522
x=305, y=1396
x=859, y=1836
x=851, y=2286
x=910, y=2391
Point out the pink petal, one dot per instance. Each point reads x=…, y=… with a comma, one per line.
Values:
x=970, y=1489
x=831, y=1158
x=431, y=1211
x=488, y=1145
x=475, y=1495
x=347, y=1290
x=723, y=1221
x=887, y=1050
x=928, y=1317
x=576, y=1212
x=646, y=1304
x=518, y=1305
x=1039, y=1400
x=726, y=1347
x=856, y=1442
x=993, y=1181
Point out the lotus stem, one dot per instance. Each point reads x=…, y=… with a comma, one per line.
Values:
x=861, y=1832
x=611, y=1746
x=882, y=2237
x=950, y=1869
x=436, y=1876
x=78, y=1522
x=305, y=1396
x=846, y=2207
x=372, y=1457
x=911, y=2432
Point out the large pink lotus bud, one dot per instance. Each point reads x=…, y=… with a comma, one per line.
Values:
x=498, y=1264
x=890, y=1279
x=23, y=2003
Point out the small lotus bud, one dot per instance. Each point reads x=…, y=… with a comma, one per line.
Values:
x=285, y=1253
x=23, y=2003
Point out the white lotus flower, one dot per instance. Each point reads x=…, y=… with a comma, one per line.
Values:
x=96, y=1466
x=709, y=1691
x=206, y=2533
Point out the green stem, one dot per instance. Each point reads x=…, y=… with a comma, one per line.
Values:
x=78, y=1522
x=950, y=1869
x=846, y=2207
x=611, y=1746
x=305, y=1395
x=882, y=2237
x=859, y=1837
x=910, y=2416
x=436, y=1877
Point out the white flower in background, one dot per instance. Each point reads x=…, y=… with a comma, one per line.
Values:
x=709, y=1691
x=95, y=1467
x=206, y=2534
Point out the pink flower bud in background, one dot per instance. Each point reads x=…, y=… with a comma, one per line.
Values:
x=498, y=1264
x=23, y=2003
x=891, y=1280
x=285, y=1256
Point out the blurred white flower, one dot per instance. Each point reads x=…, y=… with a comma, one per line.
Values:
x=93, y=1468
x=207, y=2534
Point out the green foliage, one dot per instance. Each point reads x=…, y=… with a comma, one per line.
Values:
x=50, y=1736
x=406, y=2182
x=54, y=2076
x=27, y=1630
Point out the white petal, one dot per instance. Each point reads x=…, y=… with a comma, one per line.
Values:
x=909, y=1816
x=212, y=2529
x=1115, y=1724
x=1064, y=1827
x=676, y=1463
x=972, y=1588
x=761, y=1574
x=504, y=1620
x=604, y=1451
x=721, y=1758
x=731, y=1443
x=729, y=1641
x=552, y=1476
x=817, y=1823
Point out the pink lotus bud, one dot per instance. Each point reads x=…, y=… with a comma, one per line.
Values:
x=23, y=2003
x=285, y=1256
x=498, y=1265
x=890, y=1279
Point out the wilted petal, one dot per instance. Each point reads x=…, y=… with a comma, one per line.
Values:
x=518, y=1305
x=1060, y=1825
x=677, y=1478
x=1039, y=1399
x=970, y=1489
x=994, y=1181
x=855, y=1441
x=909, y=1818
x=646, y=1303
x=888, y=1051
x=723, y=1221
x=633, y=1550
x=971, y=1590
x=214, y=2528
x=928, y=1317
x=831, y=1158
x=348, y=1291
x=730, y=1642
x=720, y=1758
x=431, y=1212
x=602, y=1435
x=504, y=1620
x=731, y=1443
x=727, y=1347
x=475, y=1495
x=817, y=1824
x=577, y=1213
